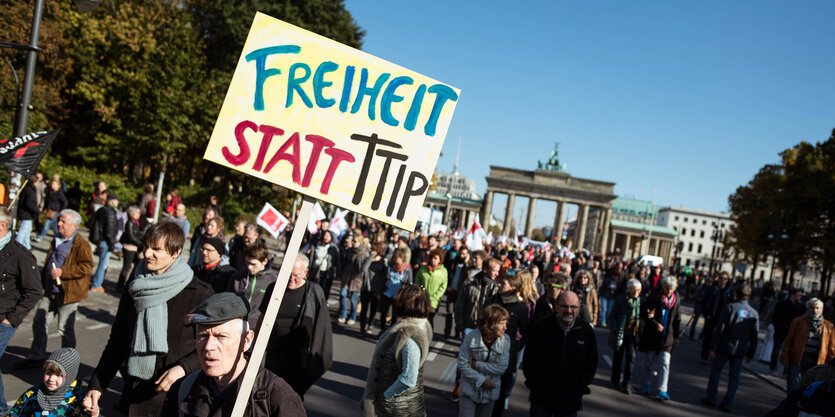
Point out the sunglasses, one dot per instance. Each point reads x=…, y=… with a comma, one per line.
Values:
x=559, y=286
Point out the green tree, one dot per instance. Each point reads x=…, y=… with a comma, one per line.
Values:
x=786, y=211
x=136, y=87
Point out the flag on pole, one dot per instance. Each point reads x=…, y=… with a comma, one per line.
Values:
x=475, y=237
x=272, y=220
x=316, y=216
x=338, y=224
x=516, y=242
x=23, y=154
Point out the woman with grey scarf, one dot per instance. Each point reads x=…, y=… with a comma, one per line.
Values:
x=60, y=392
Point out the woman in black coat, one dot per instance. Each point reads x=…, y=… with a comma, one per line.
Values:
x=131, y=245
x=623, y=336
x=660, y=311
x=55, y=202
x=510, y=297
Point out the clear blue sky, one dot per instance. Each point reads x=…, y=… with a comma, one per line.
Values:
x=688, y=98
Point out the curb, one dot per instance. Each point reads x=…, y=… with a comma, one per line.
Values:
x=760, y=376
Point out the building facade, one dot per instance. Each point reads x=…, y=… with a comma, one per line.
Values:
x=635, y=231
x=456, y=185
x=589, y=196
x=702, y=235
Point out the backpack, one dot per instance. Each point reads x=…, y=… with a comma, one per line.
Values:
x=190, y=379
x=185, y=387
x=95, y=230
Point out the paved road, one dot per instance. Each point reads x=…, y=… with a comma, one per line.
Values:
x=337, y=393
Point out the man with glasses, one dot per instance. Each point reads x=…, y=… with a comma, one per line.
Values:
x=546, y=305
x=560, y=360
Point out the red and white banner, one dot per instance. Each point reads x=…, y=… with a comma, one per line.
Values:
x=272, y=220
x=475, y=237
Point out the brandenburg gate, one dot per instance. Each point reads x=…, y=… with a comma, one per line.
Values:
x=561, y=187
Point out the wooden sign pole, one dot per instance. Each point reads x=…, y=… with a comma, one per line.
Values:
x=263, y=334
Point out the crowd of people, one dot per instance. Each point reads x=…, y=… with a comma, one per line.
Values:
x=507, y=308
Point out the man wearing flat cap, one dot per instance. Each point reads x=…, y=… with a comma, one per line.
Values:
x=212, y=269
x=222, y=336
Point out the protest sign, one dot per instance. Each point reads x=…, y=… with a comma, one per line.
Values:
x=272, y=220
x=332, y=122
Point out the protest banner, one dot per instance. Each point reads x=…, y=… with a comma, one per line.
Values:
x=272, y=220
x=334, y=124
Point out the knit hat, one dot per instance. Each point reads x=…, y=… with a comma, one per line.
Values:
x=215, y=242
x=67, y=360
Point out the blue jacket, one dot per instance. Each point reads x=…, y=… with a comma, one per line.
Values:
x=736, y=330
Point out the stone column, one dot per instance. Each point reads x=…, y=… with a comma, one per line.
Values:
x=606, y=214
x=556, y=231
x=508, y=214
x=529, y=220
x=487, y=209
x=580, y=225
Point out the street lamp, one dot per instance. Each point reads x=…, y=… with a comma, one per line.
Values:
x=24, y=98
x=717, y=236
x=447, y=209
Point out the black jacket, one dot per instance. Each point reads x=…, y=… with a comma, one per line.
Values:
x=270, y=397
x=544, y=308
x=27, y=208
x=142, y=396
x=716, y=299
x=132, y=235
x=784, y=313
x=477, y=293
x=20, y=283
x=55, y=200
x=108, y=225
x=517, y=326
x=253, y=288
x=812, y=401
x=218, y=277
x=237, y=252
x=559, y=367
x=314, y=355
x=651, y=339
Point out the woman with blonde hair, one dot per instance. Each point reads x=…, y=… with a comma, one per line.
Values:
x=585, y=288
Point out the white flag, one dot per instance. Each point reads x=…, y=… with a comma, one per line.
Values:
x=272, y=220
x=315, y=217
x=475, y=237
x=338, y=224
